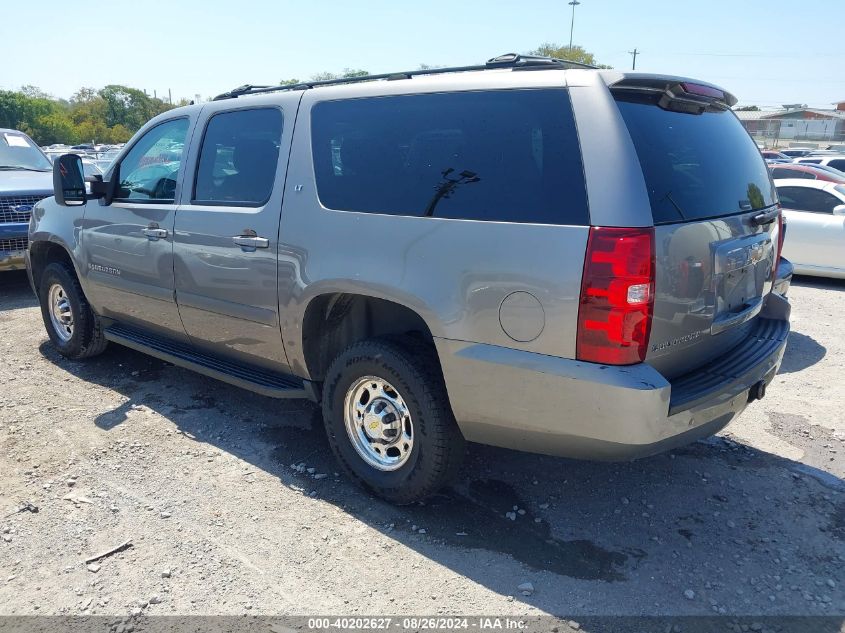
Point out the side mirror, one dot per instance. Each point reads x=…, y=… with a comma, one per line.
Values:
x=69, y=181
x=839, y=209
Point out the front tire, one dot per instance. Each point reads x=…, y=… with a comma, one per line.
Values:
x=71, y=324
x=388, y=419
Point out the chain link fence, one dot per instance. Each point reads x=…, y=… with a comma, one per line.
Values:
x=784, y=132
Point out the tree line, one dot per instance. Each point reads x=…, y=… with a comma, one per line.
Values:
x=109, y=115
x=114, y=113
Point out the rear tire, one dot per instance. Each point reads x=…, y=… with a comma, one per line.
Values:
x=71, y=324
x=393, y=390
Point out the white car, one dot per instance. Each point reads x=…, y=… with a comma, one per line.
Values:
x=837, y=160
x=815, y=218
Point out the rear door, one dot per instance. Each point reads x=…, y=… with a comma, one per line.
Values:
x=715, y=216
x=816, y=235
x=228, y=230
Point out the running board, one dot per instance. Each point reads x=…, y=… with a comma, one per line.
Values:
x=267, y=383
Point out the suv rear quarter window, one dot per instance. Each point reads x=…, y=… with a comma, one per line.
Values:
x=508, y=156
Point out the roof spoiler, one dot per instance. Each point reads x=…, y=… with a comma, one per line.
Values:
x=687, y=94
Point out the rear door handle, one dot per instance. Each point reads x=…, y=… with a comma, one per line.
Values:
x=154, y=232
x=251, y=241
x=767, y=217
x=751, y=310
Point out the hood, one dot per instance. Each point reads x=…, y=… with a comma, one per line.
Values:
x=26, y=182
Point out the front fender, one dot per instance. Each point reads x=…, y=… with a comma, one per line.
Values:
x=51, y=223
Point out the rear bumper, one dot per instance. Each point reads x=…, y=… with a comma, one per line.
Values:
x=784, y=277
x=557, y=406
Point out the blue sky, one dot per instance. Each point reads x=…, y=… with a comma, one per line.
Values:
x=767, y=53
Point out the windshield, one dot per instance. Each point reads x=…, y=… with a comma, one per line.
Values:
x=18, y=152
x=696, y=166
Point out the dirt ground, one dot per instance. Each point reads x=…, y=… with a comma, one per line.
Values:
x=233, y=505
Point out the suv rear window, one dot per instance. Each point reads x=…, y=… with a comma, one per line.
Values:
x=507, y=156
x=696, y=166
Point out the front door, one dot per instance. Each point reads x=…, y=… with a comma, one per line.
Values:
x=227, y=233
x=128, y=245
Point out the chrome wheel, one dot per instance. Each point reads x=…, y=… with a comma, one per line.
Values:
x=61, y=315
x=378, y=423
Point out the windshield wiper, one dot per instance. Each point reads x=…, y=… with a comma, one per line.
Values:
x=21, y=168
x=680, y=211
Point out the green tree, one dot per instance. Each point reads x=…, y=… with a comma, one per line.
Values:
x=574, y=54
x=34, y=92
x=56, y=127
x=126, y=106
x=29, y=110
x=110, y=115
x=347, y=73
x=12, y=108
x=755, y=196
x=748, y=108
x=354, y=72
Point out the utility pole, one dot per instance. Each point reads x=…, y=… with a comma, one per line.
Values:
x=573, y=4
x=634, y=54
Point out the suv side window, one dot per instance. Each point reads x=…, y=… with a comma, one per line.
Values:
x=506, y=156
x=838, y=163
x=150, y=169
x=238, y=158
x=806, y=199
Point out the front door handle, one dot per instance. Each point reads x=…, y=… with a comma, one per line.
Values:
x=154, y=232
x=250, y=240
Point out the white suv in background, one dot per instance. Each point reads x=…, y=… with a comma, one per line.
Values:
x=836, y=161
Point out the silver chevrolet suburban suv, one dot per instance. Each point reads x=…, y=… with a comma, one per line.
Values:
x=529, y=254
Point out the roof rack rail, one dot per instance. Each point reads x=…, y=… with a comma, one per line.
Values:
x=509, y=60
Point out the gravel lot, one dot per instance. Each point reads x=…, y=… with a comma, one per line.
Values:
x=232, y=503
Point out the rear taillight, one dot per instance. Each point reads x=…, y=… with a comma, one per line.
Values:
x=617, y=296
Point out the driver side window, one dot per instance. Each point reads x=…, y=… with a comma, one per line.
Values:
x=150, y=169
